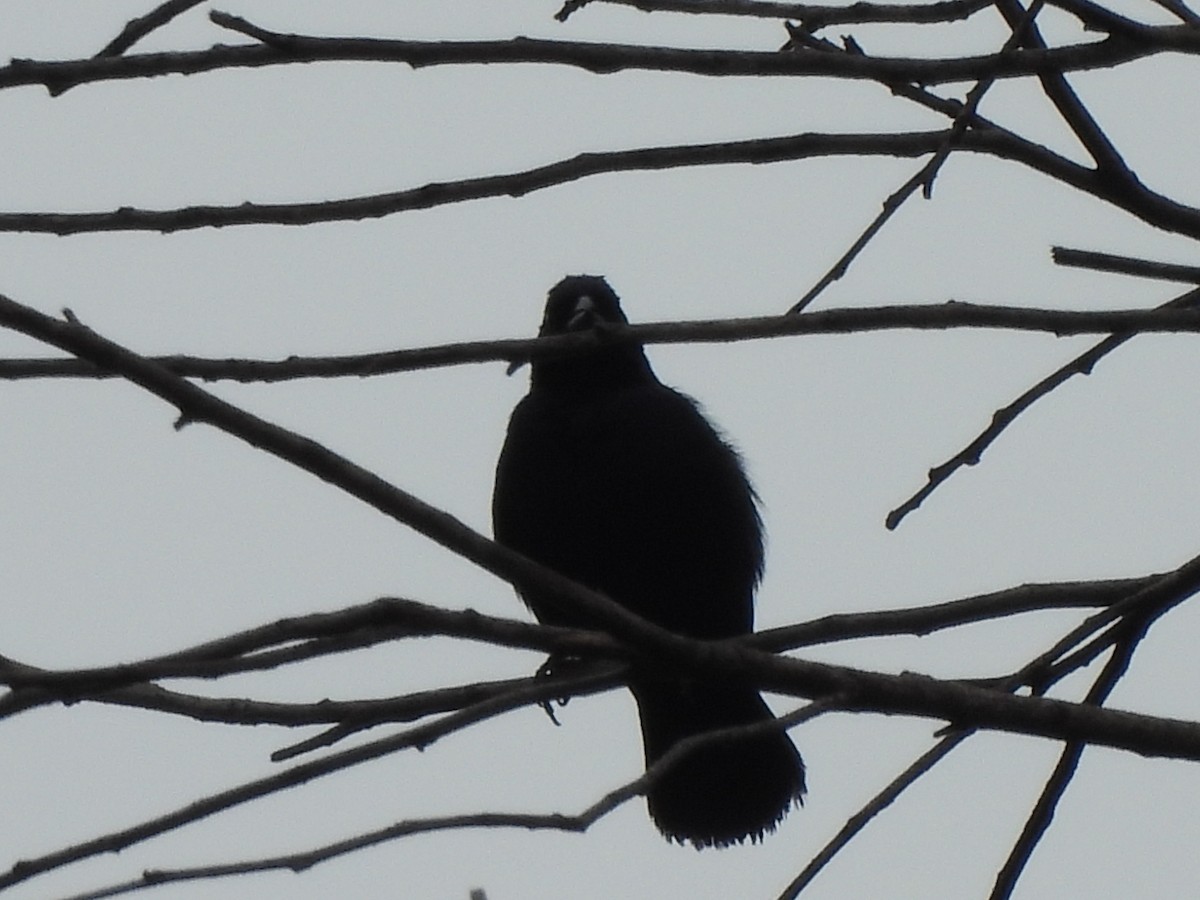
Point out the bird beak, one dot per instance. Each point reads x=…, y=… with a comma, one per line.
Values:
x=584, y=314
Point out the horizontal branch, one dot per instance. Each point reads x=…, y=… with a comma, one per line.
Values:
x=923, y=620
x=952, y=314
x=814, y=16
x=1125, y=265
x=599, y=58
x=1135, y=198
x=390, y=618
x=511, y=184
x=295, y=639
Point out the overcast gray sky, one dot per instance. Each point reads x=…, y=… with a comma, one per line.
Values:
x=122, y=538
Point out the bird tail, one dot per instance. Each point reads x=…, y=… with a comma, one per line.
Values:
x=724, y=792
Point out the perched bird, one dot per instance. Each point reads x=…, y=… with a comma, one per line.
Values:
x=616, y=481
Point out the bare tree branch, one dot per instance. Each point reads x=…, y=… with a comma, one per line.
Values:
x=291, y=49
x=1108, y=161
x=1125, y=265
x=1005, y=416
x=389, y=618
x=924, y=317
x=297, y=862
x=138, y=28
x=1133, y=197
x=813, y=16
x=420, y=736
x=923, y=620
x=370, y=623
x=878, y=804
x=1068, y=762
x=243, y=711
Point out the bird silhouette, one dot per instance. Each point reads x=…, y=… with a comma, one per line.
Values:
x=620, y=483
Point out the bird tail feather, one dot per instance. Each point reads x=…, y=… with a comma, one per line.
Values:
x=724, y=792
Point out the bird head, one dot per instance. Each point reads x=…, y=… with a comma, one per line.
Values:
x=580, y=302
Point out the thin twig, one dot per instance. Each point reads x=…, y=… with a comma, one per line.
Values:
x=580, y=681
x=1021, y=28
x=925, y=177
x=241, y=711
x=878, y=804
x=1056, y=785
x=138, y=28
x=1148, y=603
x=889, y=207
x=420, y=736
x=556, y=821
x=1109, y=163
x=299, y=862
x=308, y=636
x=923, y=620
x=1125, y=265
x=1006, y=415
x=1180, y=9
x=569, y=8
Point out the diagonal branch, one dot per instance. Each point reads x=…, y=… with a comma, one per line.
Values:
x=878, y=804
x=380, y=620
x=297, y=862
x=1108, y=161
x=924, y=178
x=1043, y=812
x=1005, y=416
x=419, y=737
x=512, y=184
x=923, y=620
x=138, y=28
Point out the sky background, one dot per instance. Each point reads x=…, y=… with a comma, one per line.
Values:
x=122, y=538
